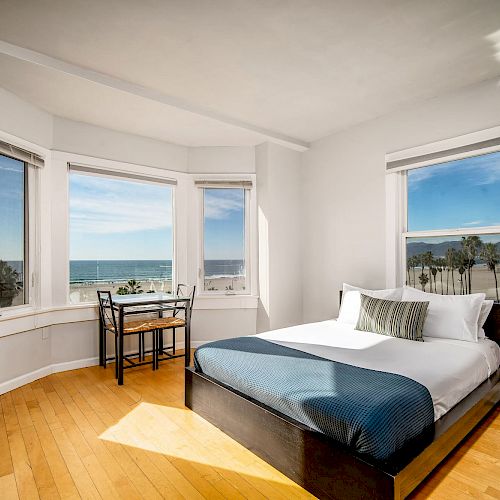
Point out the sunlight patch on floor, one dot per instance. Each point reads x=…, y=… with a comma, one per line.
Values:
x=160, y=429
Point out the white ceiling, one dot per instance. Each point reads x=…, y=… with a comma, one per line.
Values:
x=228, y=72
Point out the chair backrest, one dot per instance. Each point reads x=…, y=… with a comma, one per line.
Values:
x=186, y=291
x=106, y=311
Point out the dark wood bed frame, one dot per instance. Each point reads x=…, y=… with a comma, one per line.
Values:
x=323, y=466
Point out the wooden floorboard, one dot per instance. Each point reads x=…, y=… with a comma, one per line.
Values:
x=78, y=435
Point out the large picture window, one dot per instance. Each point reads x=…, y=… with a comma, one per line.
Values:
x=224, y=266
x=121, y=236
x=14, y=289
x=452, y=238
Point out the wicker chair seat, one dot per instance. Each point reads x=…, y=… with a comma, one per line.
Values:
x=168, y=322
x=148, y=325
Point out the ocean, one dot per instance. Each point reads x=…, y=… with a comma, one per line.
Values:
x=84, y=271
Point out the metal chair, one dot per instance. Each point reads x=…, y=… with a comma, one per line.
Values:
x=173, y=322
x=139, y=327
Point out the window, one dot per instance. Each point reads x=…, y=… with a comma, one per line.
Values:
x=121, y=236
x=14, y=261
x=224, y=263
x=452, y=241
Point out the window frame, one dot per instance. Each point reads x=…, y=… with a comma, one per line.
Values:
x=249, y=285
x=131, y=175
x=397, y=199
x=31, y=252
x=405, y=234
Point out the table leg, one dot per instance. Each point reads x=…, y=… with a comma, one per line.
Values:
x=120, y=346
x=187, y=341
x=101, y=342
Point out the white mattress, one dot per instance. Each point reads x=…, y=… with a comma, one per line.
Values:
x=450, y=369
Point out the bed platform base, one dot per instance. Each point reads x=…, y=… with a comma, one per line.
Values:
x=319, y=464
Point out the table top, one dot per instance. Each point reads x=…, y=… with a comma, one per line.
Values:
x=147, y=299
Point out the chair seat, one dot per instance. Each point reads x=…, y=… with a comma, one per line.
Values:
x=168, y=322
x=137, y=326
x=147, y=325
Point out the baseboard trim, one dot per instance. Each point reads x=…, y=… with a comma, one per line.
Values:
x=27, y=378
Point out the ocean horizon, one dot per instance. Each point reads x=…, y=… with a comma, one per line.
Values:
x=85, y=271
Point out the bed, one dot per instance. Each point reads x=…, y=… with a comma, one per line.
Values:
x=308, y=441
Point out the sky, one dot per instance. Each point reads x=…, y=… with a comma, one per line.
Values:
x=224, y=226
x=11, y=209
x=458, y=194
x=116, y=219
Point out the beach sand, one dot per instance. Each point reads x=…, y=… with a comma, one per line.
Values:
x=482, y=281
x=87, y=292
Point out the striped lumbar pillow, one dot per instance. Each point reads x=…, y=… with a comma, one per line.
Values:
x=404, y=320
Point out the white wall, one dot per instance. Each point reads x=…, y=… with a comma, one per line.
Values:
x=21, y=119
x=221, y=160
x=344, y=190
x=279, y=218
x=82, y=138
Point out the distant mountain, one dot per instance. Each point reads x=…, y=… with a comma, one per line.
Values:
x=437, y=249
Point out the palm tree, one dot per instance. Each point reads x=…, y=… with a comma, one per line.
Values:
x=413, y=262
x=471, y=246
x=451, y=263
x=434, y=271
x=427, y=260
x=131, y=288
x=423, y=279
x=134, y=286
x=9, y=284
x=490, y=256
x=461, y=271
x=441, y=264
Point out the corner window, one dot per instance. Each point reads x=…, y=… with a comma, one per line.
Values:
x=225, y=257
x=452, y=238
x=14, y=233
x=121, y=235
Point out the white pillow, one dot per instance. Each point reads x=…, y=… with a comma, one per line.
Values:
x=351, y=301
x=483, y=316
x=449, y=316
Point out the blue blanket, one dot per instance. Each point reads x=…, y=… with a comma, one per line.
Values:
x=374, y=413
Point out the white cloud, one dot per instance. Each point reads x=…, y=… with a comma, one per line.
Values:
x=473, y=223
x=103, y=206
x=479, y=170
x=222, y=206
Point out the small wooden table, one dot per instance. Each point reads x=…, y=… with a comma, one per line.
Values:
x=147, y=303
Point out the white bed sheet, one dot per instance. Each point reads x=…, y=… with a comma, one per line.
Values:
x=450, y=369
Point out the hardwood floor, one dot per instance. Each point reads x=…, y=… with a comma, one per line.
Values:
x=78, y=435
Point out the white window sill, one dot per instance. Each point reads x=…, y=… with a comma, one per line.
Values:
x=225, y=301
x=31, y=319
x=28, y=318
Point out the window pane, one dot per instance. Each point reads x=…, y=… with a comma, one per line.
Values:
x=458, y=194
x=454, y=264
x=12, y=250
x=120, y=236
x=224, y=245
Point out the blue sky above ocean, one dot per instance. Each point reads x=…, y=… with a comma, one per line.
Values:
x=117, y=219
x=458, y=194
x=114, y=219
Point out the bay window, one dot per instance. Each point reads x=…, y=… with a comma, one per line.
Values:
x=224, y=263
x=17, y=226
x=121, y=234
